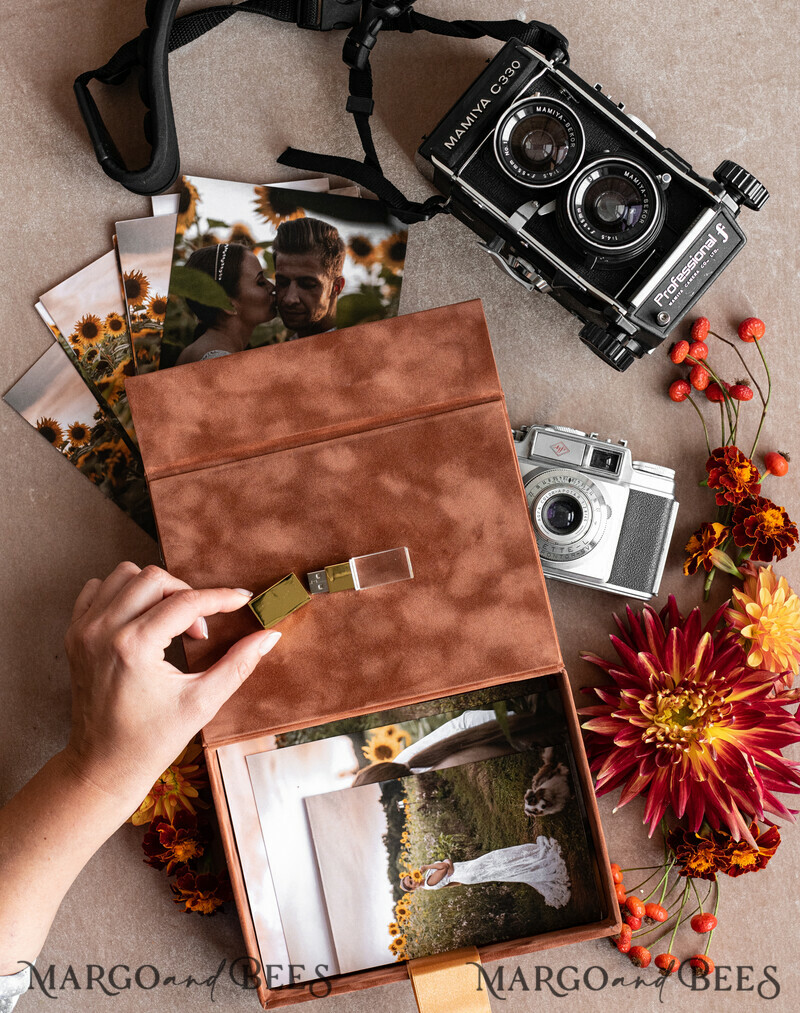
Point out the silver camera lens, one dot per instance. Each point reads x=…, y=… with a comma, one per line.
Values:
x=568, y=513
x=539, y=141
x=613, y=207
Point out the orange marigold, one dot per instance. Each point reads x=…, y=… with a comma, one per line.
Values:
x=699, y=546
x=766, y=527
x=733, y=475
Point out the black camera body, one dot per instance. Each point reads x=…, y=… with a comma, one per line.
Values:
x=575, y=198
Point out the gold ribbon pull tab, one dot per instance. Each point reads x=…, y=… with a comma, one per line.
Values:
x=449, y=983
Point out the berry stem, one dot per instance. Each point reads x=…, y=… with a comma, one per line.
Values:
x=638, y=886
x=678, y=921
x=735, y=425
x=716, y=909
x=744, y=363
x=726, y=398
x=690, y=399
x=724, y=441
x=766, y=402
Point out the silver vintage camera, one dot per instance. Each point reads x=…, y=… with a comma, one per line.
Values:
x=601, y=519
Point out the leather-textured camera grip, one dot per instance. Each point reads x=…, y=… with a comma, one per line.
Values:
x=643, y=541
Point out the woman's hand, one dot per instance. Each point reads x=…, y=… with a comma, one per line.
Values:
x=132, y=711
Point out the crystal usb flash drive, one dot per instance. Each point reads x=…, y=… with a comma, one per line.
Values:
x=279, y=601
x=362, y=572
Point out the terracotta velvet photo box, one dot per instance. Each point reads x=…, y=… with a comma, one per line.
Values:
x=295, y=456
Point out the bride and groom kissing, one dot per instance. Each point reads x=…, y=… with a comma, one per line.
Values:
x=309, y=257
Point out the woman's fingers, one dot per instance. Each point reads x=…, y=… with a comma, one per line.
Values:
x=146, y=589
x=113, y=584
x=223, y=679
x=84, y=600
x=182, y=609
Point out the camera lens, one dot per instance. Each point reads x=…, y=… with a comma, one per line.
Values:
x=563, y=515
x=539, y=141
x=613, y=208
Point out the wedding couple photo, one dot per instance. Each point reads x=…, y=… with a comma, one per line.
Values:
x=454, y=822
x=255, y=265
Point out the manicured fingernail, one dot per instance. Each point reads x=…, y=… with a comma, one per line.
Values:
x=203, y=628
x=241, y=590
x=269, y=641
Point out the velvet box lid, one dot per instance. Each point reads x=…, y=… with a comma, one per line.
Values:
x=295, y=456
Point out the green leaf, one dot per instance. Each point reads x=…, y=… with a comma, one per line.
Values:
x=216, y=223
x=189, y=283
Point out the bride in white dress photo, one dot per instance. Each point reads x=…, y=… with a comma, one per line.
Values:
x=539, y=865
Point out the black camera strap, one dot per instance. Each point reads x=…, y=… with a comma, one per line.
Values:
x=149, y=53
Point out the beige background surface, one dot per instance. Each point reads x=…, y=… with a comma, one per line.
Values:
x=716, y=80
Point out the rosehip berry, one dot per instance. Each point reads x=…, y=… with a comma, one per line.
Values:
x=752, y=329
x=776, y=462
x=741, y=391
x=639, y=956
x=714, y=393
x=635, y=907
x=679, y=390
x=679, y=351
x=621, y=894
x=699, y=377
x=704, y=922
x=657, y=912
x=701, y=965
x=667, y=963
x=616, y=873
x=635, y=923
x=622, y=941
x=699, y=350
x=700, y=329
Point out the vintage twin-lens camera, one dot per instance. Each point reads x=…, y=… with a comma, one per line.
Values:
x=573, y=197
x=601, y=519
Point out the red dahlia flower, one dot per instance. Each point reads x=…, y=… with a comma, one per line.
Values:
x=690, y=724
x=734, y=476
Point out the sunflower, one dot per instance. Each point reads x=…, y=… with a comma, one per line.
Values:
x=115, y=324
x=383, y=744
x=394, y=929
x=392, y=251
x=136, y=287
x=79, y=434
x=73, y=339
x=88, y=328
x=91, y=355
x=690, y=724
x=187, y=206
x=157, y=307
x=362, y=250
x=766, y=613
x=733, y=475
x=277, y=206
x=176, y=789
x=242, y=236
x=699, y=546
x=766, y=527
x=51, y=431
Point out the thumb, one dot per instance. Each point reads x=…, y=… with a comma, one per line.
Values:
x=223, y=678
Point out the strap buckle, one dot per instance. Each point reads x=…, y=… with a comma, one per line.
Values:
x=327, y=15
x=361, y=40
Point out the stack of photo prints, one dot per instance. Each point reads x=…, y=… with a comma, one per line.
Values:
x=220, y=267
x=419, y=830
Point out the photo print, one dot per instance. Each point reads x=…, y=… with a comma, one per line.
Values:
x=145, y=248
x=469, y=809
x=54, y=399
x=86, y=315
x=256, y=265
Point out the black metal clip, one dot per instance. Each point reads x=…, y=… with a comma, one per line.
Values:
x=361, y=40
x=327, y=15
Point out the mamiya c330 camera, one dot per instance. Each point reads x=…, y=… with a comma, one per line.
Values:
x=600, y=518
x=573, y=197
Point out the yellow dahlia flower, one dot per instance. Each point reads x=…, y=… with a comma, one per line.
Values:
x=767, y=615
x=176, y=789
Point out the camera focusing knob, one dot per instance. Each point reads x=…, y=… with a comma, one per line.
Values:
x=742, y=185
x=567, y=429
x=608, y=347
